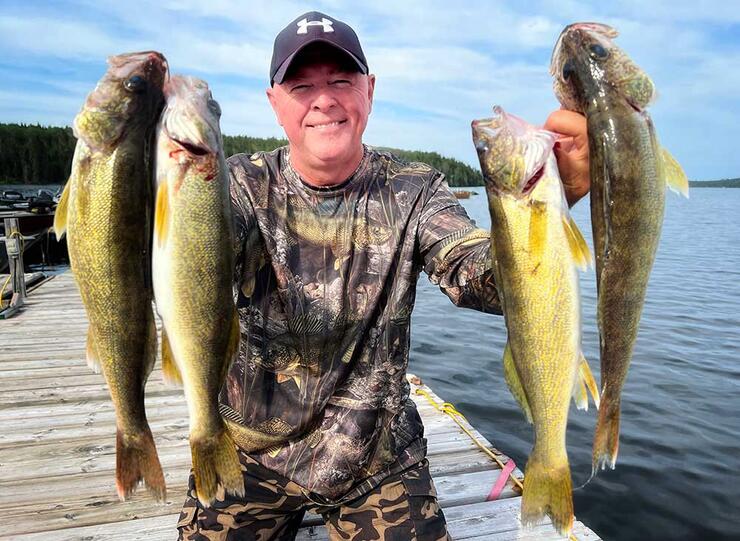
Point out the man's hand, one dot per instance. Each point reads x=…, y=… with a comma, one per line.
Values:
x=571, y=151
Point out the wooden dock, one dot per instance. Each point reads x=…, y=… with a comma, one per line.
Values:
x=57, y=445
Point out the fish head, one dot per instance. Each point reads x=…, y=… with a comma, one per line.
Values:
x=513, y=154
x=189, y=131
x=586, y=63
x=128, y=97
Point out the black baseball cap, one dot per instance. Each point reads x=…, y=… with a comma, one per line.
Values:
x=310, y=28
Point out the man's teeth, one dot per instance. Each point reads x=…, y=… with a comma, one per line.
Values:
x=336, y=123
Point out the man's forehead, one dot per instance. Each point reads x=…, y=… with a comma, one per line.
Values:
x=322, y=57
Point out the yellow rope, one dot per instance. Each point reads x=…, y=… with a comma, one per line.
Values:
x=451, y=410
x=2, y=291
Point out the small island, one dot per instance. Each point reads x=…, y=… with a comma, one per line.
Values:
x=724, y=183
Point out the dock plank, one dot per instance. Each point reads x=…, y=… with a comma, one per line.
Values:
x=57, y=448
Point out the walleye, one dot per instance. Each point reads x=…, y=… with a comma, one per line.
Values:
x=193, y=266
x=535, y=249
x=629, y=172
x=105, y=210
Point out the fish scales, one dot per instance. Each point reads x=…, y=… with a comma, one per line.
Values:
x=105, y=212
x=629, y=172
x=535, y=254
x=193, y=267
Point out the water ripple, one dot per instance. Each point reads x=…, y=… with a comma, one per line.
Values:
x=677, y=475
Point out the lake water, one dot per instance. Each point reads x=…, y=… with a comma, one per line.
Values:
x=678, y=471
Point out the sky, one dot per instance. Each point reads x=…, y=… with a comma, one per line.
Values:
x=437, y=68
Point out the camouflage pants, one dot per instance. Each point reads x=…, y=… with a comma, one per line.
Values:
x=402, y=508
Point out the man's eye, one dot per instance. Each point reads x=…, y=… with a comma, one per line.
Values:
x=298, y=88
x=341, y=83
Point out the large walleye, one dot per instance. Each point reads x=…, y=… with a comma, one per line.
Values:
x=193, y=266
x=629, y=172
x=535, y=249
x=106, y=211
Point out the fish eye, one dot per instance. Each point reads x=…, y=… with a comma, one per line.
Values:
x=135, y=83
x=568, y=70
x=597, y=51
x=214, y=107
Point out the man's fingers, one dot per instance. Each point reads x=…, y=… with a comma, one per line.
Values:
x=568, y=123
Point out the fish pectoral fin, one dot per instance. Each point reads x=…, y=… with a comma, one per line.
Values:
x=584, y=384
x=515, y=385
x=161, y=218
x=60, y=214
x=674, y=175
x=91, y=354
x=537, y=232
x=578, y=247
x=169, y=366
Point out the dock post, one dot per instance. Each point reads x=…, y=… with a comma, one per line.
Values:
x=14, y=246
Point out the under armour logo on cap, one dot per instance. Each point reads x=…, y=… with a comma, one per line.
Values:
x=303, y=25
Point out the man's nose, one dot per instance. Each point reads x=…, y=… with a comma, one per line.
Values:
x=324, y=100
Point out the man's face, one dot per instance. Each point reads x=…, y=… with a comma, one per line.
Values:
x=323, y=105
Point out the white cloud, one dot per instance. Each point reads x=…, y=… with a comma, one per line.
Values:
x=437, y=67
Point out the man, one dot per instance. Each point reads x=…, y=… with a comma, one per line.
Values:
x=331, y=238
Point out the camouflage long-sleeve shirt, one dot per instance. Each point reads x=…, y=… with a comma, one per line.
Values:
x=325, y=284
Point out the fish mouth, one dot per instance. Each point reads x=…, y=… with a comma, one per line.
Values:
x=193, y=148
x=572, y=32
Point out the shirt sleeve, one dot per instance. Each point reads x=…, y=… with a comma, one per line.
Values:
x=243, y=216
x=456, y=253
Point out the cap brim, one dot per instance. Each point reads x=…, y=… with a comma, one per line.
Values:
x=285, y=66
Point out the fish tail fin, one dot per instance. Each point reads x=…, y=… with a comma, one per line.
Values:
x=585, y=383
x=606, y=436
x=548, y=491
x=515, y=385
x=169, y=366
x=60, y=214
x=675, y=178
x=91, y=354
x=215, y=461
x=136, y=460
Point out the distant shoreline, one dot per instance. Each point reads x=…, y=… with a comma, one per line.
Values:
x=726, y=183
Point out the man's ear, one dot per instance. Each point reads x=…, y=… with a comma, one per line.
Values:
x=370, y=90
x=274, y=102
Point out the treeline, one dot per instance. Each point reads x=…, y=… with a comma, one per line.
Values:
x=33, y=154
x=724, y=183
x=457, y=172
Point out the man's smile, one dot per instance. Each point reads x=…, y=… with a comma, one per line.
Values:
x=324, y=125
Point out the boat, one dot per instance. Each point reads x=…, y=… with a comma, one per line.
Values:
x=464, y=194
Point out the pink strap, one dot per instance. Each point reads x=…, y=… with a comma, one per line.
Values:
x=498, y=486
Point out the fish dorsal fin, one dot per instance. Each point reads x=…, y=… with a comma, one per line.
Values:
x=515, y=385
x=161, y=218
x=578, y=247
x=60, y=214
x=675, y=178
